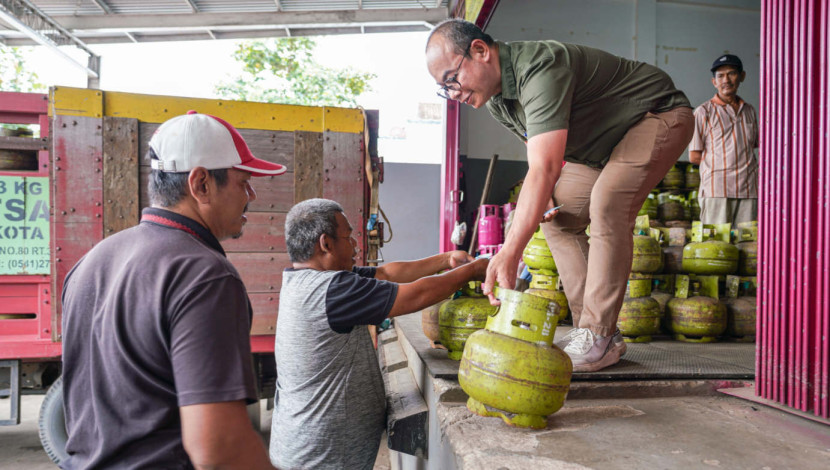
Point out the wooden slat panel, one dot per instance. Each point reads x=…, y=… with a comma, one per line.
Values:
x=265, y=313
x=273, y=146
x=120, y=185
x=308, y=165
x=23, y=143
x=274, y=193
x=143, y=179
x=261, y=272
x=264, y=232
x=344, y=180
x=77, y=196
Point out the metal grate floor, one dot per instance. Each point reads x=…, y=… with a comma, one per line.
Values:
x=662, y=359
x=669, y=359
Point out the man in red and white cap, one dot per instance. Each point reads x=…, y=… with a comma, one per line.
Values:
x=157, y=366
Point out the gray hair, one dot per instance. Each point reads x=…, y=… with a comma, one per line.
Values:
x=304, y=224
x=166, y=189
x=460, y=34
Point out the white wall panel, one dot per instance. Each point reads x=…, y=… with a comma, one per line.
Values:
x=688, y=38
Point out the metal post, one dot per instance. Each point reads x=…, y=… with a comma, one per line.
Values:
x=94, y=64
x=14, y=391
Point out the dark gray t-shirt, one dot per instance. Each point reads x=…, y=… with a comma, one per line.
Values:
x=330, y=404
x=154, y=318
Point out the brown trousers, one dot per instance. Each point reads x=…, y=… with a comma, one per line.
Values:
x=608, y=199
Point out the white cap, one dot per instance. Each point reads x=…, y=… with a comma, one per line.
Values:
x=192, y=140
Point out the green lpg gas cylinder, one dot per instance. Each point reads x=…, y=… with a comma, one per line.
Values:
x=511, y=369
x=692, y=177
x=541, y=279
x=686, y=224
x=710, y=257
x=554, y=296
x=547, y=285
x=694, y=205
x=662, y=292
x=747, y=258
x=639, y=319
x=638, y=285
x=647, y=255
x=671, y=207
x=672, y=259
x=472, y=289
x=536, y=254
x=697, y=319
x=741, y=317
x=429, y=321
x=649, y=207
x=675, y=178
x=459, y=318
x=747, y=250
x=662, y=299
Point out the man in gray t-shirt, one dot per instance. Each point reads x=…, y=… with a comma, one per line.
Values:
x=330, y=406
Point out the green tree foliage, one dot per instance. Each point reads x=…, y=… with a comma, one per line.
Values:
x=284, y=71
x=14, y=76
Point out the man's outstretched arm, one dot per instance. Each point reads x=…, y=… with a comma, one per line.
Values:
x=409, y=271
x=417, y=295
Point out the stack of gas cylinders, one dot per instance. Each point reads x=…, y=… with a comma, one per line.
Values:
x=702, y=277
x=674, y=203
x=695, y=285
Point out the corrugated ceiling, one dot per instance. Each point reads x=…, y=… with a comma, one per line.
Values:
x=112, y=21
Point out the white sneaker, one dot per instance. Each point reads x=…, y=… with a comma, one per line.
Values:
x=563, y=342
x=619, y=342
x=590, y=352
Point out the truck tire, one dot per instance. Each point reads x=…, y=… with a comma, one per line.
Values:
x=51, y=423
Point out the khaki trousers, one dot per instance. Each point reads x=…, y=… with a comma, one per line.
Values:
x=608, y=199
x=721, y=210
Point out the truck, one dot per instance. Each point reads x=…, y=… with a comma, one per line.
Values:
x=81, y=176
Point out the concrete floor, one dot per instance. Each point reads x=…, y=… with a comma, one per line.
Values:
x=650, y=433
x=655, y=433
x=20, y=445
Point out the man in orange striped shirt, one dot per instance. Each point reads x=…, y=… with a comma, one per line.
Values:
x=723, y=144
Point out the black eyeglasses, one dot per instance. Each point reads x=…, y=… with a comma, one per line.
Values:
x=452, y=84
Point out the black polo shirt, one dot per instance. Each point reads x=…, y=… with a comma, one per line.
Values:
x=154, y=318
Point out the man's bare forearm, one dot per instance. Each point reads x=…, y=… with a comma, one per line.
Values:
x=409, y=271
x=430, y=290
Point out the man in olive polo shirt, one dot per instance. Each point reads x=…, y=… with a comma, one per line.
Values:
x=620, y=125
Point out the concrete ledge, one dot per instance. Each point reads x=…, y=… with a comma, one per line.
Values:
x=407, y=412
x=650, y=388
